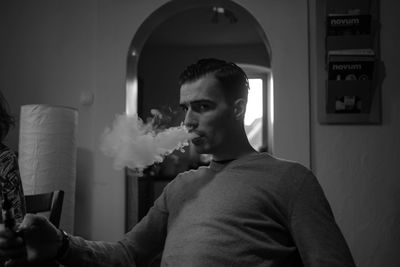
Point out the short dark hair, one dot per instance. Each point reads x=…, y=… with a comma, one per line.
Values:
x=233, y=79
x=6, y=120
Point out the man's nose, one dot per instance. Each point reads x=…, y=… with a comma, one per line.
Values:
x=190, y=120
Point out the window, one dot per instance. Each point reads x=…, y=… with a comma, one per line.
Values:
x=259, y=117
x=253, y=119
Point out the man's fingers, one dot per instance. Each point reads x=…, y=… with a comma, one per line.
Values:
x=6, y=233
x=12, y=253
x=13, y=242
x=10, y=243
x=27, y=222
x=16, y=262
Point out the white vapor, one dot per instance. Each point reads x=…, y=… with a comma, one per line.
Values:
x=137, y=145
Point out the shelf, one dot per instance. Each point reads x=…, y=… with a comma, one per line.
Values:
x=348, y=96
x=353, y=69
x=338, y=42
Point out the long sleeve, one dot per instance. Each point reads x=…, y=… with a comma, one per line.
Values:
x=138, y=247
x=313, y=227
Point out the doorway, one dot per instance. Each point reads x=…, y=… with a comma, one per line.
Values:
x=174, y=36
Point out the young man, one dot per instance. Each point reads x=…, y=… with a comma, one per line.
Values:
x=245, y=209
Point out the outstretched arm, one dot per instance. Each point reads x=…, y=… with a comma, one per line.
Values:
x=39, y=241
x=138, y=247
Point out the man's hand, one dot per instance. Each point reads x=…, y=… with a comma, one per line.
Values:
x=11, y=245
x=39, y=243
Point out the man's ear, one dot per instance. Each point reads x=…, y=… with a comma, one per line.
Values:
x=240, y=108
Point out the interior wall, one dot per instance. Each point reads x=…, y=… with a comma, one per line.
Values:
x=49, y=58
x=357, y=165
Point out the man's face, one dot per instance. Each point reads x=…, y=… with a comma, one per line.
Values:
x=208, y=114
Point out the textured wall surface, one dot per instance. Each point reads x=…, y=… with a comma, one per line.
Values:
x=358, y=165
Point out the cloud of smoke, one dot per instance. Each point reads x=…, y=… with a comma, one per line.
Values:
x=137, y=145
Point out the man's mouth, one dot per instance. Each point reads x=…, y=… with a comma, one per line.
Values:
x=194, y=134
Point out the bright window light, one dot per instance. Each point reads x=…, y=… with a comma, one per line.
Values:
x=254, y=109
x=254, y=113
x=271, y=100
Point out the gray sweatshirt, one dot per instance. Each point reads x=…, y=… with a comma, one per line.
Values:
x=253, y=211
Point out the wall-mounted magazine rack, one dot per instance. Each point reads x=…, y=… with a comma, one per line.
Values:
x=352, y=94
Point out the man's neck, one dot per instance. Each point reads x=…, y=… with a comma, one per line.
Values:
x=234, y=151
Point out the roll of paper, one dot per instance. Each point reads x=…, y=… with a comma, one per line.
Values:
x=47, y=154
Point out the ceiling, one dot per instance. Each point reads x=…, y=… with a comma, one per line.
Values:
x=196, y=27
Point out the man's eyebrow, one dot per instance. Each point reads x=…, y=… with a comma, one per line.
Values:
x=184, y=104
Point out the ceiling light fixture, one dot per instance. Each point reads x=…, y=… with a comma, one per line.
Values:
x=217, y=11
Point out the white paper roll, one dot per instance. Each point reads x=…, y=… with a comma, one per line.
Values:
x=47, y=154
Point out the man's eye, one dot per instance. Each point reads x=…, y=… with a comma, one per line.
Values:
x=203, y=107
x=184, y=108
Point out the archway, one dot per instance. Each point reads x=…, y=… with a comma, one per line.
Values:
x=158, y=17
x=137, y=52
